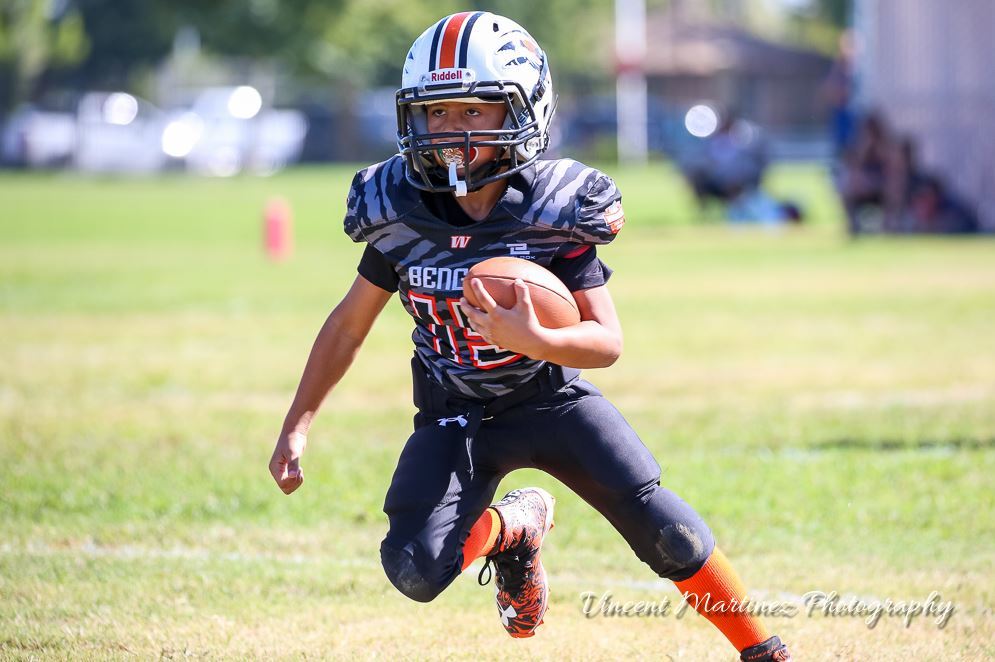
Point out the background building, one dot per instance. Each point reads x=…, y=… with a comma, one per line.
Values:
x=925, y=65
x=693, y=58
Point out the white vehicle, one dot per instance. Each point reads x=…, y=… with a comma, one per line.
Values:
x=227, y=130
x=38, y=139
x=118, y=132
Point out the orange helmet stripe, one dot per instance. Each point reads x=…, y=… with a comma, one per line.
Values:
x=450, y=37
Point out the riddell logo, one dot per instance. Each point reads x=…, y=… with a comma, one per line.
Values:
x=444, y=75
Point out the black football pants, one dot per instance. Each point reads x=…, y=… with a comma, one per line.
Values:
x=450, y=468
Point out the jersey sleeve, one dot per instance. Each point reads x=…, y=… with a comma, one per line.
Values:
x=581, y=269
x=376, y=268
x=377, y=199
x=599, y=212
x=354, y=204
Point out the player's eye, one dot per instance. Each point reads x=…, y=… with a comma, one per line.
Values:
x=473, y=112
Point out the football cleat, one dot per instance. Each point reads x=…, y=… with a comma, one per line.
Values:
x=772, y=650
x=522, y=593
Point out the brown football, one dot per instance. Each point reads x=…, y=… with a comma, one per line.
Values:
x=554, y=304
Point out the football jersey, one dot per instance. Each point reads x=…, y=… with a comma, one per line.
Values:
x=547, y=212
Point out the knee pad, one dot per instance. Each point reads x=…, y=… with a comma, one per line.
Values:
x=404, y=574
x=679, y=541
x=682, y=548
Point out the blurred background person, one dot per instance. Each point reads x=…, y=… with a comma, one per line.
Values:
x=731, y=162
x=729, y=169
x=837, y=94
x=933, y=209
x=864, y=172
x=903, y=175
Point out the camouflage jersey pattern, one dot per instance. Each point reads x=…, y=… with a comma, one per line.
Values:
x=546, y=212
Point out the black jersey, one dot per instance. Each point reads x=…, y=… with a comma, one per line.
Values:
x=547, y=212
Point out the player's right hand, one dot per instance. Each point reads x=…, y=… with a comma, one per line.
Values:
x=285, y=465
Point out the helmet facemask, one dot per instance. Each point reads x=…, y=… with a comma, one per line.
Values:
x=518, y=143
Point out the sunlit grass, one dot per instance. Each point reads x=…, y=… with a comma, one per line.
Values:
x=828, y=406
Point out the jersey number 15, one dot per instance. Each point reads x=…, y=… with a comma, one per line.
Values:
x=456, y=340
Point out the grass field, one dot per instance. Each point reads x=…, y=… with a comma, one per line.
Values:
x=828, y=406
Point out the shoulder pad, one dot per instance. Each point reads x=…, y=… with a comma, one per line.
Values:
x=378, y=196
x=578, y=200
x=599, y=212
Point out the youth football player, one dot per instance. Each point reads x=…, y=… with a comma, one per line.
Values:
x=495, y=391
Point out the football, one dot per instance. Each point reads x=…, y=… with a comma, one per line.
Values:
x=554, y=304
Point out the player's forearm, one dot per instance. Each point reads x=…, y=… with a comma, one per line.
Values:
x=584, y=345
x=333, y=352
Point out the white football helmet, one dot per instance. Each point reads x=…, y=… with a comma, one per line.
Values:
x=473, y=56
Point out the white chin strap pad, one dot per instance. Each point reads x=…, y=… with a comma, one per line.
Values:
x=458, y=183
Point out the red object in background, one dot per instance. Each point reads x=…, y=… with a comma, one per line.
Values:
x=278, y=231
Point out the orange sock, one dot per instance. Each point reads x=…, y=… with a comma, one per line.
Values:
x=483, y=535
x=717, y=593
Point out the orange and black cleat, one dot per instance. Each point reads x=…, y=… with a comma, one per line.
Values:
x=772, y=650
x=522, y=593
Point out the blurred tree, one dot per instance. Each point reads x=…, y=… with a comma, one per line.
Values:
x=103, y=43
x=288, y=31
x=34, y=36
x=577, y=34
x=86, y=44
x=819, y=23
x=357, y=41
x=836, y=12
x=123, y=35
x=126, y=35
x=368, y=42
x=814, y=24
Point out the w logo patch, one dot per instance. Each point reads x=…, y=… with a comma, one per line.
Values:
x=460, y=241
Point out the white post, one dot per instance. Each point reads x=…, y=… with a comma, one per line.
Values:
x=630, y=87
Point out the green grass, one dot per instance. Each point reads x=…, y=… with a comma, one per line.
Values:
x=828, y=406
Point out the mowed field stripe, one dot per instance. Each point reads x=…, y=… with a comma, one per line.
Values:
x=136, y=552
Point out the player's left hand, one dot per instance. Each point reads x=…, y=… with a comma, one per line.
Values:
x=516, y=329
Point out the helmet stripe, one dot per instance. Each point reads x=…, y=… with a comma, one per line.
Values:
x=434, y=64
x=447, y=52
x=465, y=41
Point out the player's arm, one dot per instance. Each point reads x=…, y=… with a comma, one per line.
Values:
x=333, y=352
x=595, y=342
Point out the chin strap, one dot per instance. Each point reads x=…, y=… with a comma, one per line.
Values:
x=454, y=181
x=485, y=172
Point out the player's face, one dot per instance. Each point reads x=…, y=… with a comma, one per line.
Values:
x=449, y=116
